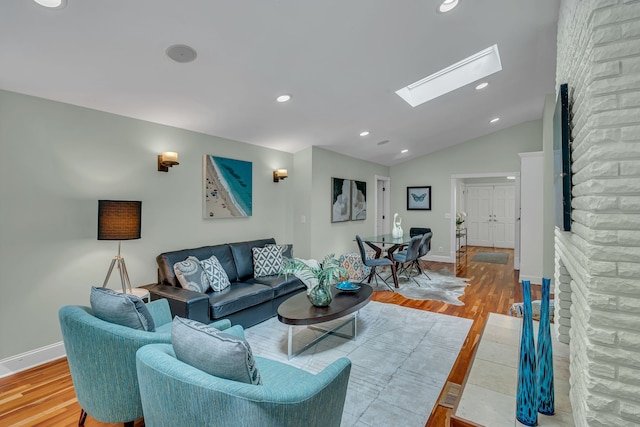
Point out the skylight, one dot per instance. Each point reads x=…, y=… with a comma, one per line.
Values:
x=475, y=67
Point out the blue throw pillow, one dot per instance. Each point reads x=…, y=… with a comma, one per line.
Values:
x=122, y=309
x=214, y=352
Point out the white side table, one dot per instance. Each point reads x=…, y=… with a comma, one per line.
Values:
x=141, y=293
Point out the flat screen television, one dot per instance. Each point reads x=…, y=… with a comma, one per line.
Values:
x=562, y=159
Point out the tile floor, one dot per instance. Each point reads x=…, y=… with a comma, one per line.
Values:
x=489, y=395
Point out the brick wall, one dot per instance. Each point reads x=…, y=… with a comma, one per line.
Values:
x=597, y=272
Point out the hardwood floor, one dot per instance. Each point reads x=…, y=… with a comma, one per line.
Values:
x=44, y=395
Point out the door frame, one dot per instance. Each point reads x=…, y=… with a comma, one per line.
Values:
x=386, y=203
x=455, y=180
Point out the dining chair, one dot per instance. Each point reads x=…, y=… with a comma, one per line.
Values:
x=408, y=257
x=414, y=231
x=374, y=263
x=425, y=248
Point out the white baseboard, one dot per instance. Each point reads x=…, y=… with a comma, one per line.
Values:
x=535, y=280
x=21, y=362
x=438, y=258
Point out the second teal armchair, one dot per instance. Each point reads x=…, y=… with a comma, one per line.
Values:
x=102, y=360
x=175, y=394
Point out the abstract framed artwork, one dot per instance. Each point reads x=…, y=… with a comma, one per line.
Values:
x=419, y=198
x=227, y=187
x=340, y=199
x=358, y=200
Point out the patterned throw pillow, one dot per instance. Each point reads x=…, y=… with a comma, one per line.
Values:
x=191, y=275
x=213, y=351
x=267, y=261
x=287, y=249
x=353, y=264
x=122, y=309
x=218, y=279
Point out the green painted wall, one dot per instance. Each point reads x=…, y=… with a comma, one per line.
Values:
x=339, y=237
x=494, y=153
x=59, y=160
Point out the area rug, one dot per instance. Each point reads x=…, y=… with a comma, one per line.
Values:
x=491, y=257
x=400, y=359
x=441, y=285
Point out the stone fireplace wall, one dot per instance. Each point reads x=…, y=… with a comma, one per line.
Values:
x=597, y=275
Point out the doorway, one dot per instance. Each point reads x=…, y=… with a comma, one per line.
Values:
x=458, y=184
x=490, y=213
x=382, y=203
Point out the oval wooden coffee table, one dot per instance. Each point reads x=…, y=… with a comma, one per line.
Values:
x=298, y=311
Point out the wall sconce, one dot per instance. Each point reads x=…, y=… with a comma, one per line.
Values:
x=166, y=160
x=279, y=174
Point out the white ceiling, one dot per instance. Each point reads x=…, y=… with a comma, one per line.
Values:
x=341, y=60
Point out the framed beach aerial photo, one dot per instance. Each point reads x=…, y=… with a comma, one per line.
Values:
x=340, y=199
x=227, y=187
x=358, y=200
x=419, y=198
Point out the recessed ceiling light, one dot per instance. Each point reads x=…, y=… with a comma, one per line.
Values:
x=386, y=141
x=53, y=4
x=181, y=53
x=482, y=86
x=475, y=67
x=364, y=133
x=511, y=177
x=494, y=120
x=283, y=98
x=447, y=6
x=404, y=151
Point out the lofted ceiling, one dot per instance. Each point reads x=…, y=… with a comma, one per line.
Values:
x=341, y=60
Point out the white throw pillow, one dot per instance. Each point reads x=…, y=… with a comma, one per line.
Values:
x=305, y=276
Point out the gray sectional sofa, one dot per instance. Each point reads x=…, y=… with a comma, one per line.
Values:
x=248, y=301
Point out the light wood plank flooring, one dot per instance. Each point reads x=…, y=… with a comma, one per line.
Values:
x=44, y=395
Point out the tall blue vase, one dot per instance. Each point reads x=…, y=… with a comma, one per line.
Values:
x=546, y=403
x=526, y=397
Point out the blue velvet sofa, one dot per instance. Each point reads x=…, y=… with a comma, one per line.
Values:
x=248, y=301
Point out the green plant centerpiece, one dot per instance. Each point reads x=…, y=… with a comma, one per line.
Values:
x=317, y=276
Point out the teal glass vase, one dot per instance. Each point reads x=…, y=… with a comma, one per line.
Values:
x=546, y=396
x=320, y=295
x=526, y=395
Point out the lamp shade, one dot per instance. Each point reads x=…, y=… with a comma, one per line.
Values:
x=119, y=219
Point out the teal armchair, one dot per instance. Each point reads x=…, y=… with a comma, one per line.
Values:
x=102, y=360
x=176, y=394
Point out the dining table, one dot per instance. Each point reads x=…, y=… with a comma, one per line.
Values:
x=381, y=242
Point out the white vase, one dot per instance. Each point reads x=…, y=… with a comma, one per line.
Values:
x=396, y=233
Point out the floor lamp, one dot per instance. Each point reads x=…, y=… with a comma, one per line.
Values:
x=119, y=220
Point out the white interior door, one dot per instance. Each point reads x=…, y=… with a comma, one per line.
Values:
x=503, y=216
x=490, y=215
x=478, y=220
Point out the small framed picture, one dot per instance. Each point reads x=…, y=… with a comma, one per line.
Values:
x=419, y=198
